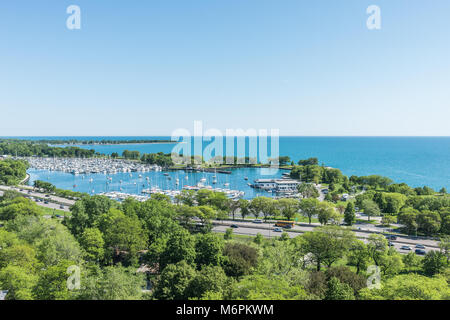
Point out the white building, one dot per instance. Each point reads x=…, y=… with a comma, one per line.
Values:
x=277, y=185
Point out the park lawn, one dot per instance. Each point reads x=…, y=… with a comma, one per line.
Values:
x=247, y=239
x=374, y=222
x=50, y=211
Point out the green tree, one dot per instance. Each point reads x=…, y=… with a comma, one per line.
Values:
x=444, y=246
x=244, y=206
x=370, y=208
x=359, y=256
x=409, y=287
x=92, y=242
x=180, y=246
x=20, y=255
x=12, y=171
x=328, y=244
x=412, y=262
x=429, y=222
x=208, y=249
x=327, y=213
x=434, y=262
x=9, y=210
x=228, y=234
x=284, y=237
x=208, y=279
x=309, y=208
x=174, y=282
x=288, y=207
x=52, y=283
x=58, y=245
x=240, y=259
x=308, y=190
x=86, y=213
x=349, y=214
x=391, y=263
x=258, y=287
x=387, y=220
x=206, y=214
x=338, y=291
x=377, y=247
x=347, y=276
x=112, y=283
x=233, y=206
x=259, y=239
x=408, y=217
x=123, y=236
x=19, y=282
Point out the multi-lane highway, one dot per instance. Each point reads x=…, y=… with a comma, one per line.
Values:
x=244, y=228
x=53, y=202
x=267, y=230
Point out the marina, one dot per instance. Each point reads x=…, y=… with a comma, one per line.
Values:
x=117, y=178
x=89, y=165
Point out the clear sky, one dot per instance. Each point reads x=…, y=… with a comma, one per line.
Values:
x=148, y=67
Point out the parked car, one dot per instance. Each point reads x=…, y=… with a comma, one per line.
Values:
x=391, y=244
x=420, y=251
x=405, y=248
x=420, y=246
x=257, y=221
x=277, y=230
x=45, y=202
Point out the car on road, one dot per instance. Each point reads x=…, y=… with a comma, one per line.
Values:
x=234, y=226
x=420, y=246
x=405, y=248
x=61, y=207
x=391, y=244
x=420, y=251
x=277, y=230
x=390, y=237
x=29, y=192
x=45, y=202
x=257, y=221
x=47, y=196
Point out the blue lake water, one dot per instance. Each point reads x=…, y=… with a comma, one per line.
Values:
x=417, y=161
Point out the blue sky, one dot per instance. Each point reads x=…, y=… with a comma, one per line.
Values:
x=149, y=67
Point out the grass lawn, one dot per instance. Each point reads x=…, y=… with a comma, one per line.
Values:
x=49, y=211
x=374, y=222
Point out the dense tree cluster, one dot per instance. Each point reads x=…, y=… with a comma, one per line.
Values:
x=123, y=249
x=419, y=214
x=12, y=171
x=25, y=148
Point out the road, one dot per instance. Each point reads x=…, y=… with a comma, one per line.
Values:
x=54, y=202
x=266, y=229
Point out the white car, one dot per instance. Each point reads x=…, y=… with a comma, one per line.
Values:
x=257, y=221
